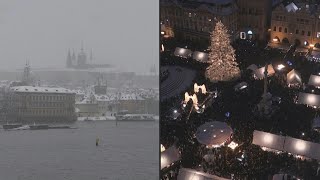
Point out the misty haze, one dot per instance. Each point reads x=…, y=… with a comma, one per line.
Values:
x=79, y=89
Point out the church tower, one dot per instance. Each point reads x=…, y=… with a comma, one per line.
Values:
x=73, y=59
x=82, y=58
x=69, y=60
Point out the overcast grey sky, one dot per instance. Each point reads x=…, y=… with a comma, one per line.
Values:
x=124, y=33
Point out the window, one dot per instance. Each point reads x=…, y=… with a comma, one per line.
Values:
x=280, y=29
x=309, y=33
x=302, y=33
x=275, y=28
x=297, y=31
x=285, y=30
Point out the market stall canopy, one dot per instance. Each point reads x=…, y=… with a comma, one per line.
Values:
x=200, y=56
x=286, y=143
x=268, y=140
x=190, y=174
x=314, y=80
x=214, y=133
x=259, y=73
x=252, y=67
x=293, y=77
x=182, y=52
x=169, y=156
x=309, y=99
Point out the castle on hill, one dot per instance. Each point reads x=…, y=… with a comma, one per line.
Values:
x=81, y=61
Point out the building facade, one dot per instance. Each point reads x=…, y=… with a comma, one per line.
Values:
x=254, y=18
x=296, y=24
x=41, y=104
x=195, y=20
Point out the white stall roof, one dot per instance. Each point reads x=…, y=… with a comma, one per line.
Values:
x=213, y=133
x=200, y=56
x=182, y=52
x=293, y=77
x=309, y=99
x=169, y=156
x=259, y=73
x=314, y=80
x=190, y=174
x=268, y=140
x=286, y=143
x=303, y=148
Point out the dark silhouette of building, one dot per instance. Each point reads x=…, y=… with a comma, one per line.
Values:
x=81, y=61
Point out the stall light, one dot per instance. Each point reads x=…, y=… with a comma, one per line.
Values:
x=280, y=66
x=275, y=40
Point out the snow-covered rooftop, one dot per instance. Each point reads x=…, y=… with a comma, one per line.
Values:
x=37, y=89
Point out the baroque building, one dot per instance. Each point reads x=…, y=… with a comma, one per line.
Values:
x=296, y=23
x=41, y=104
x=195, y=20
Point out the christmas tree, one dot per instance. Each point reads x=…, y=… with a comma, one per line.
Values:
x=223, y=66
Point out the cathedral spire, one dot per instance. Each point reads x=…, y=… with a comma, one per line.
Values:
x=91, y=55
x=81, y=46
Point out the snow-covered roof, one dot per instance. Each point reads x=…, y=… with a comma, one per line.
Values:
x=38, y=89
x=292, y=7
x=169, y=156
x=185, y=173
x=213, y=133
x=288, y=144
x=132, y=96
x=105, y=97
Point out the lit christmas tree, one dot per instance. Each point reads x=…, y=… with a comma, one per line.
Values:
x=223, y=66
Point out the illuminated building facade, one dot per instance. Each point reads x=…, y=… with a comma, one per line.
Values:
x=296, y=23
x=194, y=20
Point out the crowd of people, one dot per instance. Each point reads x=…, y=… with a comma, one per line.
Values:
x=239, y=110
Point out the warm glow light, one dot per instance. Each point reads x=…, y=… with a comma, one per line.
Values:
x=275, y=40
x=300, y=145
x=311, y=45
x=233, y=145
x=162, y=47
x=194, y=177
x=162, y=148
x=200, y=55
x=317, y=79
x=280, y=66
x=162, y=32
x=164, y=162
x=181, y=51
x=268, y=139
x=311, y=99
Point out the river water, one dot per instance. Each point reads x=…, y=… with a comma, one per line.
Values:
x=127, y=151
